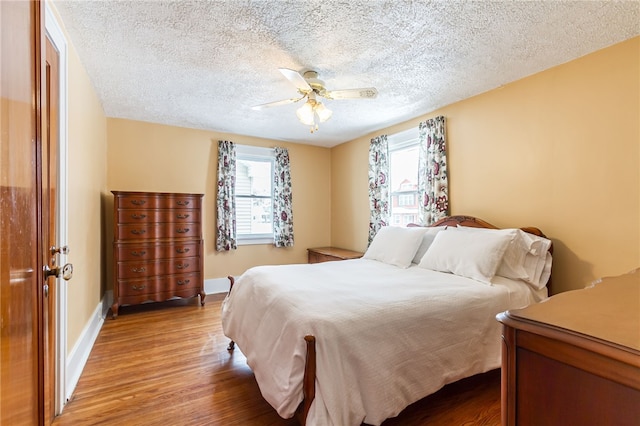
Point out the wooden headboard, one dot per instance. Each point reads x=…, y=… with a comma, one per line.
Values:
x=479, y=223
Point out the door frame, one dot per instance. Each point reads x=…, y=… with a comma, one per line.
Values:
x=57, y=37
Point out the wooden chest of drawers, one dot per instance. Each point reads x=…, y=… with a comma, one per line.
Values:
x=157, y=247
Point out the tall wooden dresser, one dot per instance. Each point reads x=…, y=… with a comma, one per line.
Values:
x=575, y=358
x=157, y=247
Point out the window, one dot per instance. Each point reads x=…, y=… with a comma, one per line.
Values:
x=406, y=200
x=254, y=195
x=403, y=172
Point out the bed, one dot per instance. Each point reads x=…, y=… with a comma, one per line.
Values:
x=356, y=341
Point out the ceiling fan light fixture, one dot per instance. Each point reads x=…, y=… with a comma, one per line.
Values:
x=305, y=114
x=323, y=112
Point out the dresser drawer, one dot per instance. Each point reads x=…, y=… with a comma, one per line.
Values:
x=319, y=258
x=166, y=284
x=145, y=201
x=140, y=269
x=155, y=215
x=148, y=251
x=157, y=231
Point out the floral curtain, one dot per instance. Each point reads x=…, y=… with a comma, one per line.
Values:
x=378, y=184
x=433, y=187
x=282, y=199
x=226, y=200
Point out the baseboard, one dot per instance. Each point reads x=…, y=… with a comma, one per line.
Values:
x=216, y=285
x=77, y=358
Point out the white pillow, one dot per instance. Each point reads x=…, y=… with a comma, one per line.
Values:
x=427, y=239
x=395, y=245
x=545, y=274
x=538, y=268
x=526, y=257
x=472, y=255
x=512, y=264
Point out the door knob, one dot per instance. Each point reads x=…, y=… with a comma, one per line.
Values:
x=61, y=250
x=67, y=271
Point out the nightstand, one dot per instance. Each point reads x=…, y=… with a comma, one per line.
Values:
x=328, y=254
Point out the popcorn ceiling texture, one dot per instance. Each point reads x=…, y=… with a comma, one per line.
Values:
x=203, y=64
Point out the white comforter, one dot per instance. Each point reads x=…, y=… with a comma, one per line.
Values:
x=385, y=337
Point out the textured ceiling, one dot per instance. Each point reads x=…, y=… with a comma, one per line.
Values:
x=203, y=64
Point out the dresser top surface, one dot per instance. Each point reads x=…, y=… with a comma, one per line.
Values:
x=337, y=252
x=608, y=310
x=151, y=194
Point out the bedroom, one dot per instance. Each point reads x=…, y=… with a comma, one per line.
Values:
x=573, y=130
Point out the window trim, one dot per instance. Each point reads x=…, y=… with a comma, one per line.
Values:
x=403, y=139
x=256, y=153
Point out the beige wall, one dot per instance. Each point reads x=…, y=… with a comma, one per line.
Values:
x=559, y=150
x=153, y=157
x=87, y=148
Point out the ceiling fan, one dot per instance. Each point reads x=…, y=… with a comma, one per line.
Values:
x=310, y=87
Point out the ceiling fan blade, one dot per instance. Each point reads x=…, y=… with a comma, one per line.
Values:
x=297, y=80
x=276, y=103
x=363, y=93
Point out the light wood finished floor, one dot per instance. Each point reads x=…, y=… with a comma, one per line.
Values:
x=167, y=364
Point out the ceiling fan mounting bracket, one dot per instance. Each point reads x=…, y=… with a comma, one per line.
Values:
x=316, y=84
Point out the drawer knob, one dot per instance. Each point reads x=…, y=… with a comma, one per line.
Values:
x=139, y=231
x=183, y=216
x=183, y=250
x=141, y=287
x=182, y=265
x=138, y=202
x=182, y=230
x=138, y=216
x=183, y=282
x=183, y=203
x=143, y=269
x=138, y=253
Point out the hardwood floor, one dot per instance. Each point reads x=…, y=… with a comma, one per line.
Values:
x=167, y=364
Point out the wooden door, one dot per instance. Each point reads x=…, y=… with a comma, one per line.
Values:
x=50, y=249
x=20, y=263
